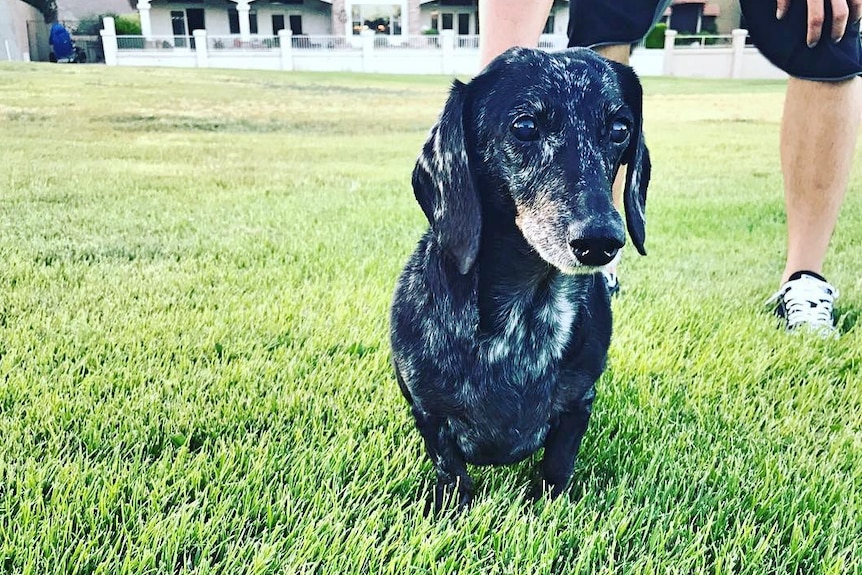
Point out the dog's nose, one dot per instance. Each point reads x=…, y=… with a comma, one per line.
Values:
x=595, y=251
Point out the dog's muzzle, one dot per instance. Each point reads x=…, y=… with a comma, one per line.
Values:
x=595, y=252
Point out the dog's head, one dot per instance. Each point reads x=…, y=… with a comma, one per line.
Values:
x=540, y=135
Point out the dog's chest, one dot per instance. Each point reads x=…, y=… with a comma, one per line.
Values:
x=533, y=329
x=516, y=387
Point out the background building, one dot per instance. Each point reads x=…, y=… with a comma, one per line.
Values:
x=395, y=18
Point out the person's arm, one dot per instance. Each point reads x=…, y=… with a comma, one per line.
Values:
x=843, y=12
x=507, y=23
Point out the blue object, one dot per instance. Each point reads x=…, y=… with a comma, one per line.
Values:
x=61, y=41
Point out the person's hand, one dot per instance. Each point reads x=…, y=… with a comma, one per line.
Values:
x=843, y=12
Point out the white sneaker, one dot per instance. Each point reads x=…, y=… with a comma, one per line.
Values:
x=609, y=272
x=612, y=281
x=805, y=300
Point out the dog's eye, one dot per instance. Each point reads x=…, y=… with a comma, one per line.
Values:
x=525, y=129
x=620, y=131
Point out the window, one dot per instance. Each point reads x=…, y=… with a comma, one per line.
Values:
x=447, y=20
x=294, y=24
x=233, y=21
x=549, y=25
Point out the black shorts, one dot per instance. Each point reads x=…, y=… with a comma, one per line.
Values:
x=596, y=23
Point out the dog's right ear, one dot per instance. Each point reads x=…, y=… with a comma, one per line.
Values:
x=443, y=184
x=636, y=157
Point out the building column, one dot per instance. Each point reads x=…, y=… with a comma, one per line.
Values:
x=414, y=19
x=146, y=24
x=339, y=18
x=243, y=8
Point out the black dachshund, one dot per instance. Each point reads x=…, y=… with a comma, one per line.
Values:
x=501, y=320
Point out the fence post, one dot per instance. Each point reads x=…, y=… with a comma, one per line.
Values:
x=367, y=37
x=285, y=44
x=447, y=42
x=669, y=43
x=109, y=40
x=738, y=44
x=201, y=48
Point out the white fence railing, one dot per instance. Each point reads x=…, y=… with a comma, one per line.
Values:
x=721, y=56
x=324, y=43
x=155, y=43
x=470, y=42
x=429, y=54
x=553, y=41
x=703, y=41
x=255, y=44
x=424, y=42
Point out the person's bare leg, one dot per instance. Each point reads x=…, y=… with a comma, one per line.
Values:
x=818, y=141
x=508, y=23
x=618, y=53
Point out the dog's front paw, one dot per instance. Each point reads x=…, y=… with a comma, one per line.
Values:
x=543, y=488
x=449, y=496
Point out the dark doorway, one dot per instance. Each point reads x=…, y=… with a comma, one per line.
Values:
x=178, y=25
x=463, y=24
x=195, y=18
x=296, y=24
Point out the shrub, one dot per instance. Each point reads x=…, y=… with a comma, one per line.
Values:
x=89, y=26
x=126, y=25
x=655, y=37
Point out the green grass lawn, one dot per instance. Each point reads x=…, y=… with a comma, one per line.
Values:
x=195, y=275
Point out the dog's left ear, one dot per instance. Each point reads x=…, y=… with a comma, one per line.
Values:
x=443, y=184
x=636, y=157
